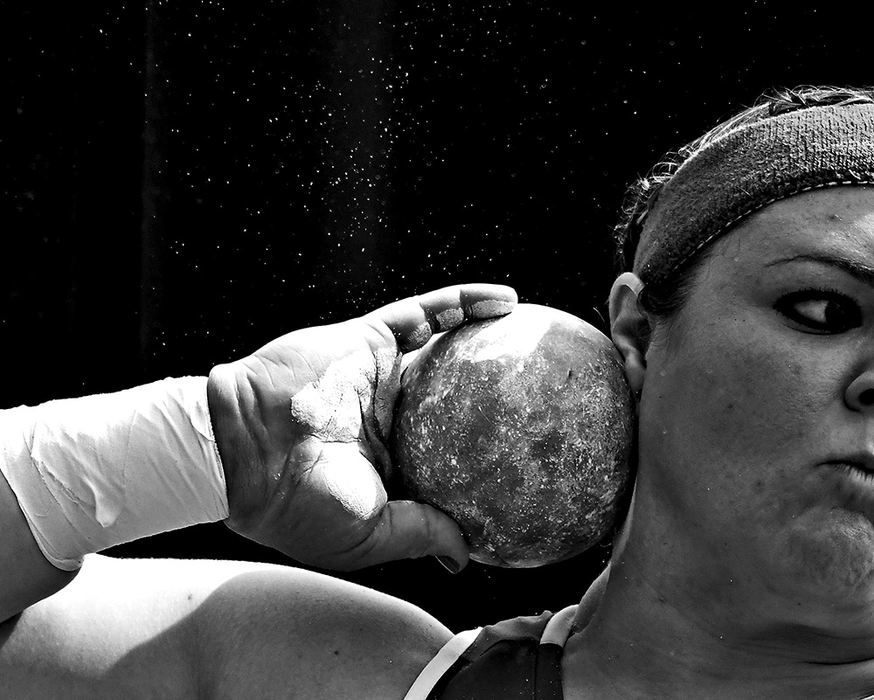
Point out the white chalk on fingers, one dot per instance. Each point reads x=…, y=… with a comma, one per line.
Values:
x=491, y=307
x=449, y=318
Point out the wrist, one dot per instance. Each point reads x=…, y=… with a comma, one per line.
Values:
x=97, y=471
x=223, y=416
x=230, y=401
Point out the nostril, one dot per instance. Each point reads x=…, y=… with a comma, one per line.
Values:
x=866, y=398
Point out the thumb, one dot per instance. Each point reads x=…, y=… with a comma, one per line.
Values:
x=408, y=530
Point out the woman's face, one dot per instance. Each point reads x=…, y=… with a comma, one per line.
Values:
x=757, y=411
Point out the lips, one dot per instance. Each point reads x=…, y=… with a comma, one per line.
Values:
x=851, y=483
x=856, y=477
x=855, y=470
x=863, y=461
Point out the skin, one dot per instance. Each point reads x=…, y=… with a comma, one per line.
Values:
x=301, y=425
x=746, y=565
x=214, y=629
x=747, y=560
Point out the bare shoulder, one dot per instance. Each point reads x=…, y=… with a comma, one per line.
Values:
x=286, y=633
x=214, y=629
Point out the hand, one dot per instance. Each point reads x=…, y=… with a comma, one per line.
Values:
x=302, y=428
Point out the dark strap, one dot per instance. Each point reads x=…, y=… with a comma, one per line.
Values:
x=506, y=662
x=548, y=675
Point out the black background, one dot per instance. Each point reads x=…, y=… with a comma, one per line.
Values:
x=183, y=181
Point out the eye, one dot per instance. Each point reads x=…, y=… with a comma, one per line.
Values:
x=821, y=310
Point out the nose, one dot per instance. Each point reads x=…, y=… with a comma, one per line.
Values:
x=860, y=393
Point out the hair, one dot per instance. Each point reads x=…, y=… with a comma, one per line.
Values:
x=667, y=298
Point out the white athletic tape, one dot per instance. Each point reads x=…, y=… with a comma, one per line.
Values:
x=93, y=472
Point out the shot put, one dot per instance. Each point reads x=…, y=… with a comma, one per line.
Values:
x=520, y=428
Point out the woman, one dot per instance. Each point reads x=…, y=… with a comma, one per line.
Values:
x=745, y=566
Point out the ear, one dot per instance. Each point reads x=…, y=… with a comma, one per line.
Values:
x=630, y=328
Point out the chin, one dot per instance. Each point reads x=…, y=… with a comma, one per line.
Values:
x=829, y=557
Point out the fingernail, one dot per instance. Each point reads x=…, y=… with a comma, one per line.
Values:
x=449, y=564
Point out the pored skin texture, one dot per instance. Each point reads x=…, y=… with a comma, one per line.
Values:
x=520, y=428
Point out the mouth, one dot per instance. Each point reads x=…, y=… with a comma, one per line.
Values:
x=855, y=467
x=858, y=469
x=854, y=481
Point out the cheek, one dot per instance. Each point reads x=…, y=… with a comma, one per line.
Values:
x=746, y=404
x=735, y=411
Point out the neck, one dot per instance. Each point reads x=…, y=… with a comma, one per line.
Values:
x=665, y=628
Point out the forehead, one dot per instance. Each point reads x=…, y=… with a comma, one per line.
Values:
x=836, y=221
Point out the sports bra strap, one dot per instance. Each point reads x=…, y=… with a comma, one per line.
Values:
x=440, y=664
x=555, y=633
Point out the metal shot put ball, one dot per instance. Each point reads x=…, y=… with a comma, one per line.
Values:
x=519, y=428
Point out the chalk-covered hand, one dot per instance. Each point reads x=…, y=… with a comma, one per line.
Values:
x=302, y=427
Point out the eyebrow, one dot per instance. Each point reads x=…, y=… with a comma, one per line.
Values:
x=859, y=270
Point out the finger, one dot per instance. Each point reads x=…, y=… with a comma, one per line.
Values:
x=450, y=306
x=408, y=358
x=410, y=530
x=414, y=320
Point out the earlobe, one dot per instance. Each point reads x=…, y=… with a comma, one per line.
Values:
x=630, y=328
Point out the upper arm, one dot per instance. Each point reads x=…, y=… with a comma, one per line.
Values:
x=117, y=630
x=214, y=629
x=289, y=633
